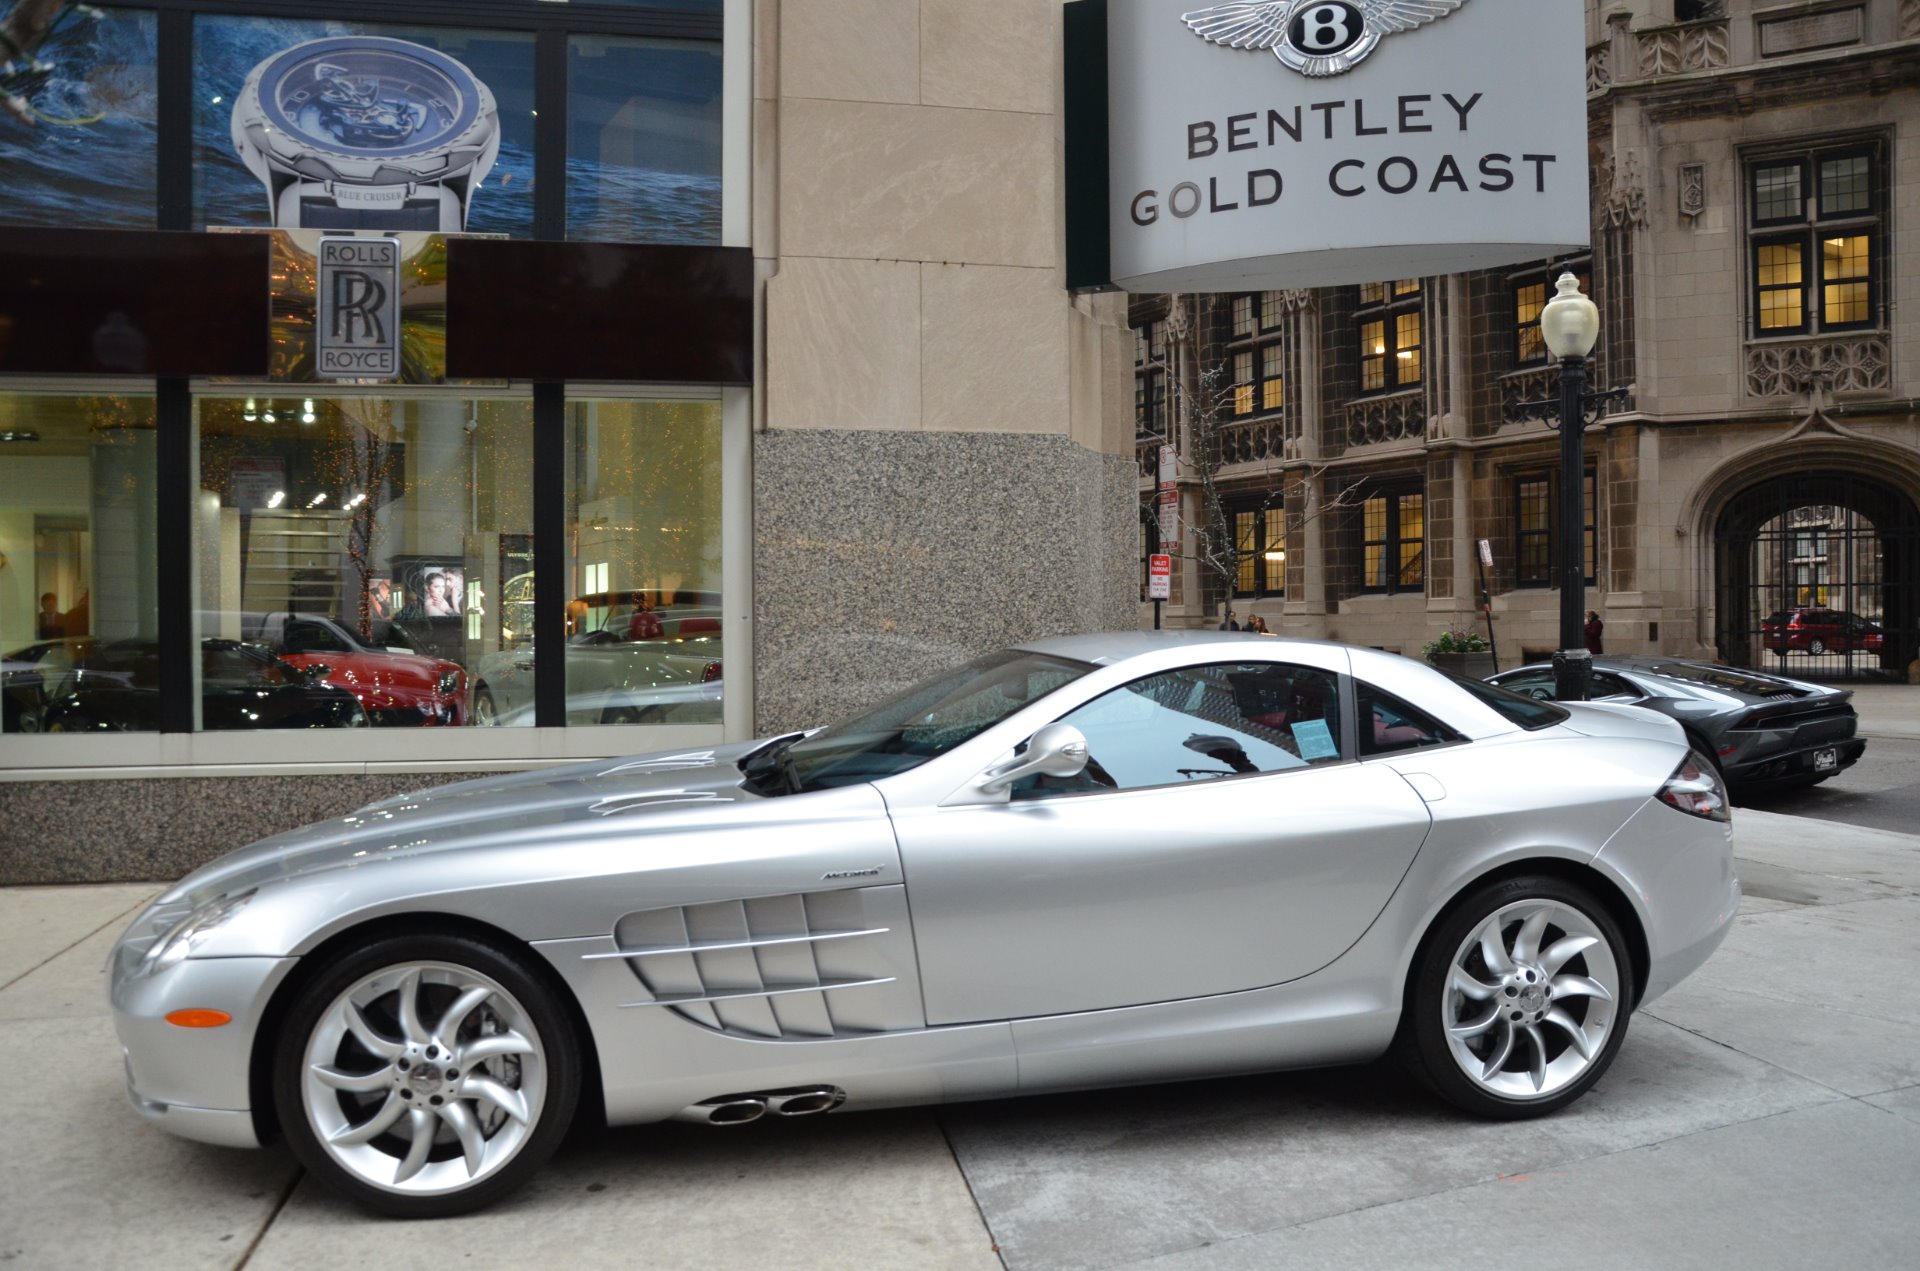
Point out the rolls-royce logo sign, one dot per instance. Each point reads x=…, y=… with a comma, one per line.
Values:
x=358, y=289
x=1314, y=37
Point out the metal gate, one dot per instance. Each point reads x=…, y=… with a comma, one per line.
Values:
x=1816, y=577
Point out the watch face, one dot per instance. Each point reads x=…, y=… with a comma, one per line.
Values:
x=368, y=96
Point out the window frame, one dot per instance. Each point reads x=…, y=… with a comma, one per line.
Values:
x=1544, y=277
x=1396, y=300
x=1265, y=512
x=1254, y=391
x=1345, y=686
x=1809, y=230
x=1395, y=496
x=1590, y=530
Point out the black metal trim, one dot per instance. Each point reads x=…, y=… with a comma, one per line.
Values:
x=550, y=555
x=1089, y=234
x=173, y=176
x=522, y=15
x=550, y=135
x=175, y=486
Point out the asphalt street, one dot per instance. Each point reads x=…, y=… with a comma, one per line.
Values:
x=1882, y=791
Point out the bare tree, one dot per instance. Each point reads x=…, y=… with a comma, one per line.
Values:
x=1202, y=397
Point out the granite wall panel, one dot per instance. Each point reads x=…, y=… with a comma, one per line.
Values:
x=882, y=557
x=160, y=828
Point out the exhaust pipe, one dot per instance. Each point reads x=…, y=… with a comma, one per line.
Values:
x=800, y=1103
x=737, y=1110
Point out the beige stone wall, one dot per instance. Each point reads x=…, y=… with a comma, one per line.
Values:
x=907, y=221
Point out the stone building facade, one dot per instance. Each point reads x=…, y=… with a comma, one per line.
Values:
x=1756, y=260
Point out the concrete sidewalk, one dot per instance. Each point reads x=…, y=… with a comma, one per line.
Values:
x=1764, y=1114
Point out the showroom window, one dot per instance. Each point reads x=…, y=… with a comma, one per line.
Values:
x=1394, y=541
x=1388, y=324
x=643, y=140
x=1814, y=223
x=79, y=598
x=371, y=547
x=643, y=520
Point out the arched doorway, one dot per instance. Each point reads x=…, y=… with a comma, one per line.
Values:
x=1817, y=574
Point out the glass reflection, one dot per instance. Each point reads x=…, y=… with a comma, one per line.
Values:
x=364, y=543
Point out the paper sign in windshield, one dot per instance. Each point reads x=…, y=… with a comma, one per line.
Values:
x=1315, y=740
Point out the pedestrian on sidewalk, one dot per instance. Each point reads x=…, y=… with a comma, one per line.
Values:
x=1593, y=629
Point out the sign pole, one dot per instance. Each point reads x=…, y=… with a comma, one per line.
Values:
x=1486, y=601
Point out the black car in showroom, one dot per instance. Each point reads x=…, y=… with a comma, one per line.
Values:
x=1761, y=731
x=116, y=687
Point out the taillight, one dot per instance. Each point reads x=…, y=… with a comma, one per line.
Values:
x=1695, y=788
x=711, y=674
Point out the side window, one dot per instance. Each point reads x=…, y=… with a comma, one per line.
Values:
x=311, y=637
x=1202, y=723
x=1537, y=685
x=1603, y=685
x=1388, y=725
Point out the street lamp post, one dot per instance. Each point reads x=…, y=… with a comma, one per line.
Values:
x=1569, y=324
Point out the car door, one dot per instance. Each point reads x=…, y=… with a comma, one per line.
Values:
x=1220, y=839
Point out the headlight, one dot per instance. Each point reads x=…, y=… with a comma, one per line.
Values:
x=449, y=683
x=192, y=931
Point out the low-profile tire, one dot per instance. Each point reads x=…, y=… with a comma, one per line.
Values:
x=362, y=1084
x=485, y=713
x=1519, y=998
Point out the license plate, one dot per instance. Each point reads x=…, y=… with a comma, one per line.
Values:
x=1826, y=760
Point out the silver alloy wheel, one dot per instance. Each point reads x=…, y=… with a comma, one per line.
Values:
x=424, y=1078
x=1531, y=999
x=484, y=713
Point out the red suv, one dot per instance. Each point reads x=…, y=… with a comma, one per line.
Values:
x=1818, y=631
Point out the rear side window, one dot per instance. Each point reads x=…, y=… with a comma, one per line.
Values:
x=1523, y=711
x=1388, y=725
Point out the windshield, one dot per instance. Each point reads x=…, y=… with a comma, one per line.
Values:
x=1524, y=711
x=922, y=723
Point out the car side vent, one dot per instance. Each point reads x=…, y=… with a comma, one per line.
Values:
x=800, y=966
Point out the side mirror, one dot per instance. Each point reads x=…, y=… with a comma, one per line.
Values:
x=1057, y=750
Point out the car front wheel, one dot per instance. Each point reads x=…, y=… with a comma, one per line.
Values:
x=1520, y=999
x=424, y=1076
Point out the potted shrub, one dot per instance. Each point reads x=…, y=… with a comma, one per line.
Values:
x=1464, y=653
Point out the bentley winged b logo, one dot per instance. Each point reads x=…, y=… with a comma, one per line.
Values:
x=1314, y=37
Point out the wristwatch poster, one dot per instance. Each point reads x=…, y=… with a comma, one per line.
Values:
x=364, y=132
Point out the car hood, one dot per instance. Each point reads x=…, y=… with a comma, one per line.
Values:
x=669, y=788
x=377, y=670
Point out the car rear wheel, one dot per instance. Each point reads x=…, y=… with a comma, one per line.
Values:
x=424, y=1076
x=1520, y=999
x=1816, y=646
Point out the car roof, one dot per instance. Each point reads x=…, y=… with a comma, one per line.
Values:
x=1690, y=676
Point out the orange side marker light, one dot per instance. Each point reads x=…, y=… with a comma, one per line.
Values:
x=198, y=1017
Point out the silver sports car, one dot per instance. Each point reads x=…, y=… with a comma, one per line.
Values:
x=1088, y=861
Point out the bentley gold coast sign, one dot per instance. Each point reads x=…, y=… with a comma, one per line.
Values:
x=1309, y=143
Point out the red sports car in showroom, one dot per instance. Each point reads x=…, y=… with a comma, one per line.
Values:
x=396, y=686
x=1817, y=631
